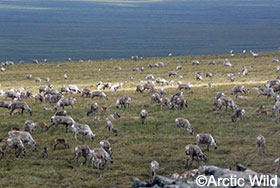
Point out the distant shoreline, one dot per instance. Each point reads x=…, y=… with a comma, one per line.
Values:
x=154, y=57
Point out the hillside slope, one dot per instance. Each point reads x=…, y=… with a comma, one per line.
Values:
x=137, y=145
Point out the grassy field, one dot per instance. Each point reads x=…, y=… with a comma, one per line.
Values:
x=137, y=145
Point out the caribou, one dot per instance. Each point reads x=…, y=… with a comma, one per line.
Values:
x=60, y=141
x=86, y=92
x=15, y=143
x=93, y=108
x=187, y=86
x=64, y=120
x=184, y=123
x=260, y=143
x=238, y=113
x=143, y=116
x=99, y=157
x=99, y=94
x=123, y=101
x=81, y=150
x=194, y=151
x=110, y=128
x=25, y=137
x=154, y=168
x=105, y=144
x=83, y=129
x=65, y=102
x=21, y=105
x=206, y=138
x=5, y=104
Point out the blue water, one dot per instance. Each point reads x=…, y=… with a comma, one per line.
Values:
x=58, y=29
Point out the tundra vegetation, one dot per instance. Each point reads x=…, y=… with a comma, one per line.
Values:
x=137, y=144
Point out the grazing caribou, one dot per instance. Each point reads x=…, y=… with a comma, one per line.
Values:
x=93, y=108
x=15, y=143
x=64, y=120
x=82, y=129
x=195, y=62
x=61, y=113
x=216, y=99
x=60, y=141
x=99, y=94
x=211, y=62
x=39, y=97
x=81, y=150
x=123, y=101
x=29, y=126
x=238, y=89
x=86, y=92
x=187, y=86
x=114, y=116
x=22, y=105
x=238, y=113
x=139, y=89
x=177, y=101
x=164, y=102
x=99, y=157
x=156, y=98
x=209, y=74
x=227, y=63
x=184, y=123
x=227, y=102
x=24, y=136
x=65, y=102
x=206, y=138
x=271, y=83
x=28, y=76
x=268, y=92
x=194, y=151
x=5, y=104
x=12, y=94
x=105, y=144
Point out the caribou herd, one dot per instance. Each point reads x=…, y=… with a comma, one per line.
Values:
x=59, y=99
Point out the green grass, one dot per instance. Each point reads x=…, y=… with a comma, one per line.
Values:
x=137, y=145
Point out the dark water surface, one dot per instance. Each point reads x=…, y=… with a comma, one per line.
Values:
x=58, y=29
